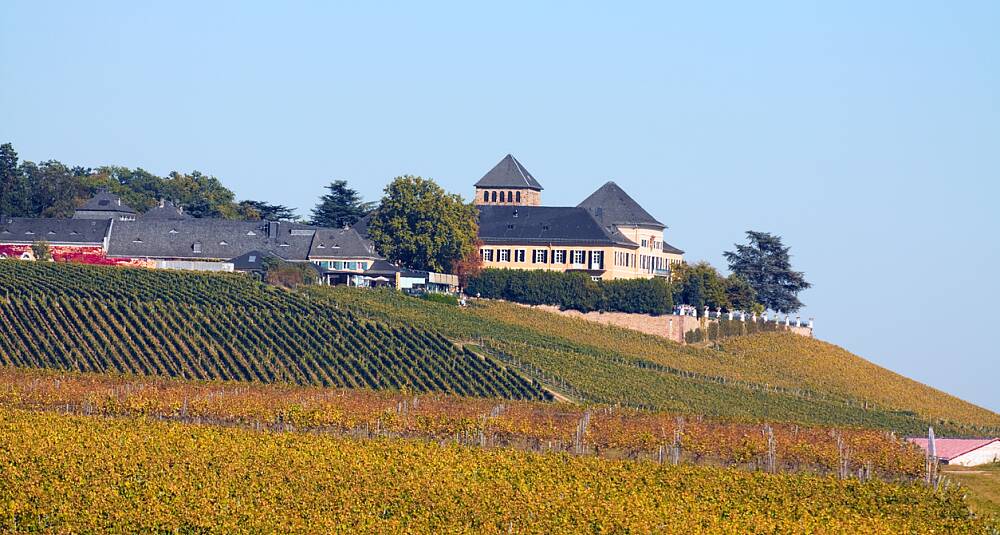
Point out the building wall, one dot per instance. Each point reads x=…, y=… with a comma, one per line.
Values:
x=984, y=455
x=651, y=257
x=83, y=254
x=618, y=263
x=517, y=196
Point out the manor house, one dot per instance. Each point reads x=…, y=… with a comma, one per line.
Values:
x=608, y=235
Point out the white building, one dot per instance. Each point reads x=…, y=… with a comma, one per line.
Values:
x=964, y=451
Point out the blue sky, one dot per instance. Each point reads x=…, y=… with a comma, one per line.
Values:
x=867, y=134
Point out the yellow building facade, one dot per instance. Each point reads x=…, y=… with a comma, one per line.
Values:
x=608, y=235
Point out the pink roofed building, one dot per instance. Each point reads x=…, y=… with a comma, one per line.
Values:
x=964, y=451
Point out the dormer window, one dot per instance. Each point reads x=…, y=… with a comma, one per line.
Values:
x=321, y=246
x=51, y=232
x=173, y=231
x=28, y=232
x=546, y=227
x=223, y=243
x=196, y=247
x=137, y=240
x=283, y=245
x=251, y=233
x=510, y=226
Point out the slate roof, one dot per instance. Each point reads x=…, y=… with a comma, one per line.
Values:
x=509, y=173
x=544, y=225
x=165, y=211
x=341, y=243
x=383, y=267
x=610, y=205
x=55, y=231
x=361, y=226
x=106, y=201
x=250, y=261
x=217, y=238
x=667, y=248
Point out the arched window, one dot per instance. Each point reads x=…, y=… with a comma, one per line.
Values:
x=519, y=196
x=494, y=196
x=486, y=196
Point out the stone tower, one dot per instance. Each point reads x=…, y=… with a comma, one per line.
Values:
x=508, y=184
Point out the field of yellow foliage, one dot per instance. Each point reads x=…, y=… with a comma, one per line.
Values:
x=77, y=474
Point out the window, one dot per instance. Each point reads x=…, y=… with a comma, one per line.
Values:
x=510, y=226
x=645, y=243
x=252, y=259
x=540, y=256
x=494, y=196
x=196, y=246
x=559, y=257
x=486, y=254
x=486, y=196
x=505, y=255
x=519, y=255
x=579, y=257
x=519, y=196
x=597, y=260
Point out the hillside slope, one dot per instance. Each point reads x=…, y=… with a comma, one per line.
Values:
x=105, y=319
x=612, y=364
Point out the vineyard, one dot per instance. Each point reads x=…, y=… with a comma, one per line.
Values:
x=99, y=319
x=89, y=474
x=603, y=431
x=609, y=364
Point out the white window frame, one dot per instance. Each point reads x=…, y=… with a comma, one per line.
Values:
x=487, y=254
x=579, y=257
x=504, y=255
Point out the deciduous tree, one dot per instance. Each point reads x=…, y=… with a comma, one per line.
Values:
x=422, y=226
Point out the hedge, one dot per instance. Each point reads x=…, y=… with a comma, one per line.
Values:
x=576, y=291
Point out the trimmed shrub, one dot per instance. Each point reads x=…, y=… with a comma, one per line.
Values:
x=575, y=291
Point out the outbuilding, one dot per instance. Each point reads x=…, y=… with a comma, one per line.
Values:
x=964, y=451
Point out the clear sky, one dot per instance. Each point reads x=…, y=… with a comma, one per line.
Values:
x=866, y=134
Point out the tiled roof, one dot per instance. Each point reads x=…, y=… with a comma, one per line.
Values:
x=509, y=173
x=105, y=201
x=250, y=261
x=610, y=205
x=949, y=448
x=544, y=225
x=68, y=231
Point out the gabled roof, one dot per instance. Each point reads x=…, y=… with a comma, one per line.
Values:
x=68, y=231
x=610, y=205
x=949, y=448
x=165, y=211
x=106, y=201
x=509, y=173
x=544, y=225
x=217, y=239
x=251, y=261
x=340, y=243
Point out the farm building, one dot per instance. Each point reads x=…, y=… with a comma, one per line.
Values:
x=964, y=451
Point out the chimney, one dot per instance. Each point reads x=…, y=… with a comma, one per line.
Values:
x=272, y=229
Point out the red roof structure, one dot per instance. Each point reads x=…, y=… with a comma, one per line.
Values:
x=949, y=448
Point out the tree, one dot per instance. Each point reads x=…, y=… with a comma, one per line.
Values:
x=201, y=195
x=766, y=265
x=54, y=191
x=341, y=207
x=740, y=294
x=41, y=250
x=254, y=210
x=469, y=266
x=422, y=226
x=14, y=196
x=699, y=285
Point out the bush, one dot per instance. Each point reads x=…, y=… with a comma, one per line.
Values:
x=576, y=291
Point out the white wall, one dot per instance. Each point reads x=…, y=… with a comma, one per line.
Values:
x=984, y=455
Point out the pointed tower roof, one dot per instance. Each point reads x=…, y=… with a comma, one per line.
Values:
x=509, y=173
x=610, y=205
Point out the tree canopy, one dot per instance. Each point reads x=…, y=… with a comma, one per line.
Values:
x=341, y=207
x=255, y=210
x=422, y=226
x=53, y=189
x=765, y=263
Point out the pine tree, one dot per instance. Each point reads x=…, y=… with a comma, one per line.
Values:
x=766, y=265
x=341, y=207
